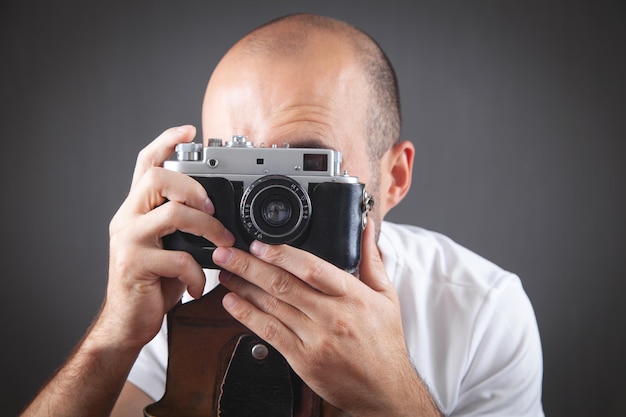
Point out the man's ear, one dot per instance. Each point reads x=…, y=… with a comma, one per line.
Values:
x=396, y=172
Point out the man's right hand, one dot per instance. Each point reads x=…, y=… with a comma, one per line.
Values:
x=145, y=280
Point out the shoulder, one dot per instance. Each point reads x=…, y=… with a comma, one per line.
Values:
x=441, y=283
x=468, y=323
x=435, y=257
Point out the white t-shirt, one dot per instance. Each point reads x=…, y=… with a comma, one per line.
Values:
x=469, y=326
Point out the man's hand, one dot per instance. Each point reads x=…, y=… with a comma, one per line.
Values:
x=342, y=336
x=145, y=281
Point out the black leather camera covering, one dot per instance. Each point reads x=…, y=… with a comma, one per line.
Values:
x=336, y=224
x=334, y=232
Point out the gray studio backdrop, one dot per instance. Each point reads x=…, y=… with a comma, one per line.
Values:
x=516, y=110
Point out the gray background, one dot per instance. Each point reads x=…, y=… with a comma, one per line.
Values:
x=516, y=110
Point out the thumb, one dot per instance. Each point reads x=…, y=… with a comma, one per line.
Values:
x=372, y=270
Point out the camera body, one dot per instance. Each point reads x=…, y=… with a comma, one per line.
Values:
x=277, y=195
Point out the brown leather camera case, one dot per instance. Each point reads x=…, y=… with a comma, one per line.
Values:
x=218, y=367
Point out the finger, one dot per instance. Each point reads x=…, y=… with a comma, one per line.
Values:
x=172, y=290
x=173, y=216
x=159, y=184
x=371, y=269
x=317, y=273
x=177, y=265
x=142, y=270
x=161, y=148
x=290, y=316
x=272, y=279
x=266, y=326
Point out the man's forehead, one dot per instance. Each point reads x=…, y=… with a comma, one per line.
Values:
x=321, y=105
x=304, y=142
x=270, y=138
x=313, y=121
x=309, y=143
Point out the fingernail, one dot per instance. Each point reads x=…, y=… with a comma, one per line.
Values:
x=208, y=206
x=222, y=255
x=229, y=300
x=183, y=128
x=258, y=248
x=230, y=238
x=225, y=276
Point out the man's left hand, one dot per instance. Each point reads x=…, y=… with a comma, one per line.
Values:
x=343, y=336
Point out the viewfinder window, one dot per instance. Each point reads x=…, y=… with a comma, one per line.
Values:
x=315, y=162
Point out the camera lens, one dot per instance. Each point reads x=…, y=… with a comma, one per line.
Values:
x=275, y=209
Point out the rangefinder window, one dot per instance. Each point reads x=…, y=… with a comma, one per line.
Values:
x=315, y=162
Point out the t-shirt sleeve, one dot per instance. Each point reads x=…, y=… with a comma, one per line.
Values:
x=505, y=374
x=150, y=369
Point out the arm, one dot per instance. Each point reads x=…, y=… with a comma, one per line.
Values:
x=89, y=382
x=145, y=281
x=342, y=336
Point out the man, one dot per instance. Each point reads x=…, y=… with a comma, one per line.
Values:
x=460, y=338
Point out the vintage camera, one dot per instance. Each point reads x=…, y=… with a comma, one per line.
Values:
x=277, y=195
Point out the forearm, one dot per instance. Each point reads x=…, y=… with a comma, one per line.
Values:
x=422, y=403
x=89, y=382
x=407, y=396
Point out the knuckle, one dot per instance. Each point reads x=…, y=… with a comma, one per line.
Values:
x=243, y=314
x=327, y=348
x=239, y=265
x=170, y=216
x=152, y=175
x=275, y=254
x=120, y=219
x=314, y=272
x=121, y=240
x=270, y=331
x=143, y=155
x=123, y=261
x=170, y=211
x=144, y=159
x=270, y=304
x=281, y=285
x=342, y=328
x=183, y=261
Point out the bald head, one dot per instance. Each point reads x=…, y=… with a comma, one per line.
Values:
x=311, y=38
x=311, y=81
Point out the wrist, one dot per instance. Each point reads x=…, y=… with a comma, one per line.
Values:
x=110, y=333
x=405, y=395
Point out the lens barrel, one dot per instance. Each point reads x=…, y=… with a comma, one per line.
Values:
x=275, y=209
